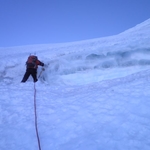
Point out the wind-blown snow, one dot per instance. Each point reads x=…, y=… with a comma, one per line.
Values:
x=93, y=94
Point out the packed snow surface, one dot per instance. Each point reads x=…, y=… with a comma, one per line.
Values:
x=93, y=94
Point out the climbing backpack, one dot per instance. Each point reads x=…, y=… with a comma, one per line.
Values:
x=31, y=61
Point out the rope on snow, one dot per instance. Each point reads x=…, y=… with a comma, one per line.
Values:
x=35, y=113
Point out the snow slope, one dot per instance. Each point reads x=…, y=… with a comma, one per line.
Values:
x=93, y=95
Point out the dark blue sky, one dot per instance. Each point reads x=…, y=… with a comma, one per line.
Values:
x=27, y=22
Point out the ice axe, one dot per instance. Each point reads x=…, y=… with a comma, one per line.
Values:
x=43, y=69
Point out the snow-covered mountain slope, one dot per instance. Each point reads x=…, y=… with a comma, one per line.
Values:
x=130, y=48
x=93, y=95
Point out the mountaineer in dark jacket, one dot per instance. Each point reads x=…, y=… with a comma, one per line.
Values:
x=32, y=65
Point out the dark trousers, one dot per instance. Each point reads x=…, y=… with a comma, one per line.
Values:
x=32, y=72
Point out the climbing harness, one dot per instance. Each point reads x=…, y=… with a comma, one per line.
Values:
x=36, y=124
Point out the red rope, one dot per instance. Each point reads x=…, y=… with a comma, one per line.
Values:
x=35, y=113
